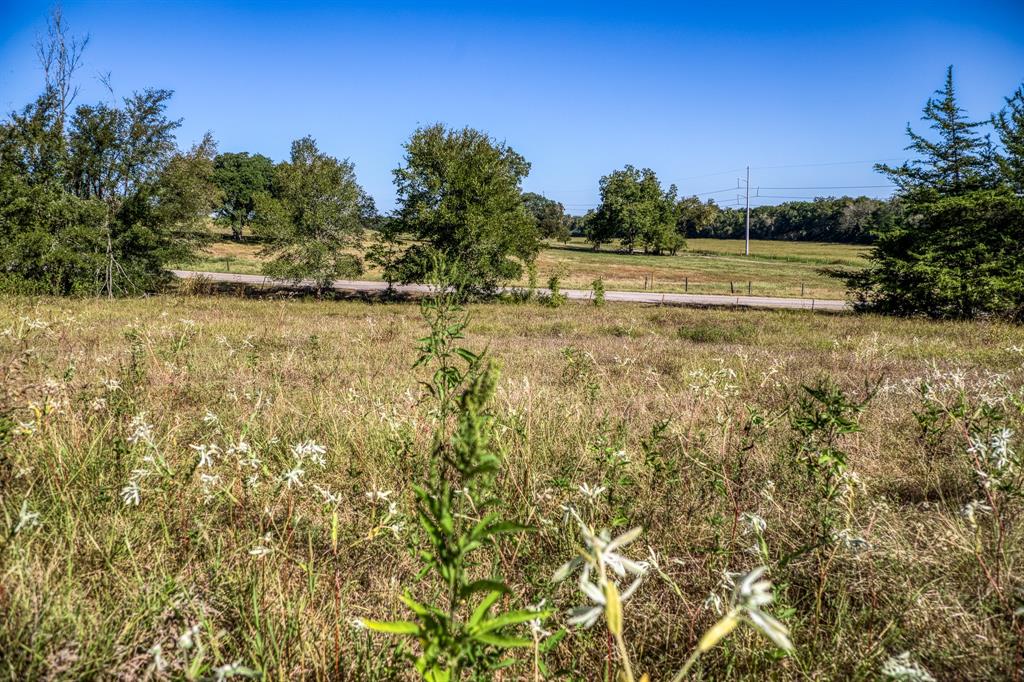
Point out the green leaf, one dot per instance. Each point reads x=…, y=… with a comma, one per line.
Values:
x=512, y=618
x=414, y=606
x=507, y=527
x=395, y=627
x=467, y=355
x=483, y=607
x=484, y=586
x=552, y=641
x=437, y=674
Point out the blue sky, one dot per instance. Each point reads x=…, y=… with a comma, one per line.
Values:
x=806, y=94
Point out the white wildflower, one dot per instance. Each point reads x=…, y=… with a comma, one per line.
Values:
x=206, y=453
x=750, y=595
x=209, y=481
x=851, y=541
x=755, y=523
x=157, y=652
x=591, y=493
x=714, y=602
x=378, y=495
x=995, y=455
x=142, y=431
x=969, y=512
x=312, y=451
x=536, y=630
x=902, y=667
x=130, y=494
x=601, y=553
x=251, y=461
x=327, y=496
x=26, y=519
x=25, y=428
x=293, y=478
x=238, y=449
x=235, y=669
x=260, y=551
x=188, y=638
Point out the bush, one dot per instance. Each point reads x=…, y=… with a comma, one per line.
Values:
x=598, y=287
x=554, y=298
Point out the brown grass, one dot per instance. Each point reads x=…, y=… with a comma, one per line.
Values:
x=91, y=590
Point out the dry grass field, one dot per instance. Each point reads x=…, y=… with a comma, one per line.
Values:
x=707, y=266
x=153, y=525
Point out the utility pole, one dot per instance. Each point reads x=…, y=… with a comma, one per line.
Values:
x=747, y=252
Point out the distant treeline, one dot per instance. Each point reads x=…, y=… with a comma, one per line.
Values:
x=848, y=220
x=637, y=212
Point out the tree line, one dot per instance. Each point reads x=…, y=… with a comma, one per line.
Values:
x=99, y=198
x=844, y=220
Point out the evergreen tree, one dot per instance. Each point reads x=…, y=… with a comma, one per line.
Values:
x=1009, y=125
x=951, y=245
x=955, y=162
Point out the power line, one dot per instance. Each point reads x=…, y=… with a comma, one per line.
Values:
x=828, y=163
x=788, y=196
x=715, y=191
x=709, y=175
x=837, y=187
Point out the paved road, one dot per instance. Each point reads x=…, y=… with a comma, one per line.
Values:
x=576, y=294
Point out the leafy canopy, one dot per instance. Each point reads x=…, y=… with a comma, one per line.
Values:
x=242, y=179
x=635, y=209
x=459, y=194
x=315, y=218
x=552, y=223
x=103, y=202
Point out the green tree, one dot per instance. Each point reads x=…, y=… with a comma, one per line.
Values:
x=154, y=197
x=859, y=218
x=597, y=229
x=954, y=257
x=694, y=217
x=49, y=238
x=459, y=194
x=955, y=161
x=552, y=223
x=315, y=218
x=1009, y=125
x=241, y=179
x=98, y=199
x=950, y=247
x=636, y=210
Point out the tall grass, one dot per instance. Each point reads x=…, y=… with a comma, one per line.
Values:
x=210, y=487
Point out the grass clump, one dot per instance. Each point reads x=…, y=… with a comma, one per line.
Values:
x=714, y=333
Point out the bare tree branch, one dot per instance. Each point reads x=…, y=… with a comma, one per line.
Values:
x=60, y=56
